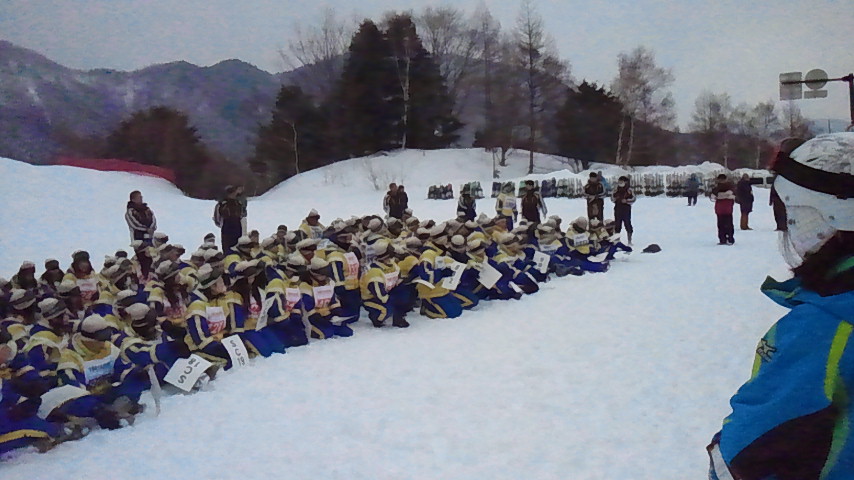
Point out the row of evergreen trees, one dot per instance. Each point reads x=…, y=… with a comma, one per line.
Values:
x=390, y=95
x=390, y=92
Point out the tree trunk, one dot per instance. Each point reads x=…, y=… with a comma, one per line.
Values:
x=531, y=134
x=631, y=140
x=296, y=148
x=405, y=105
x=726, y=150
x=619, y=159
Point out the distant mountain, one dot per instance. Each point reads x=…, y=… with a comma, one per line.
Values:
x=43, y=102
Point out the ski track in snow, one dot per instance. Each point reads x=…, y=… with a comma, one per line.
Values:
x=624, y=374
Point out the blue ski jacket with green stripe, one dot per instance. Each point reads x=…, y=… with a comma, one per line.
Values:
x=792, y=419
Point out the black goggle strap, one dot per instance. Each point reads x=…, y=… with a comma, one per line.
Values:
x=840, y=185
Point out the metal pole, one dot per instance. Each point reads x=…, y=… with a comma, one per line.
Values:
x=850, y=79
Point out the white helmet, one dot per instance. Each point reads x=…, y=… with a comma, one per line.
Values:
x=816, y=184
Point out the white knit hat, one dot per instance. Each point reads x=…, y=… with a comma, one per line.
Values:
x=93, y=323
x=138, y=311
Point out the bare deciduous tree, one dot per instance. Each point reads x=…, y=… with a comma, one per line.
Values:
x=712, y=118
x=316, y=53
x=454, y=43
x=765, y=122
x=488, y=36
x=642, y=86
x=543, y=69
x=794, y=123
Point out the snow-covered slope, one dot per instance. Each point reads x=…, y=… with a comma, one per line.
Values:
x=618, y=375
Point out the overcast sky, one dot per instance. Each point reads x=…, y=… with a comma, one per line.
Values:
x=737, y=46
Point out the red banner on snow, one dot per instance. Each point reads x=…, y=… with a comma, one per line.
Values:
x=117, y=165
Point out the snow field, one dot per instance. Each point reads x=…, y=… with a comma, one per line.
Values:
x=618, y=375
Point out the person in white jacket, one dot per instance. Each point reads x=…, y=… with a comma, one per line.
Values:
x=140, y=219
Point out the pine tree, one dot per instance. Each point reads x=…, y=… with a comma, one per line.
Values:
x=163, y=137
x=295, y=139
x=426, y=118
x=588, y=124
x=366, y=104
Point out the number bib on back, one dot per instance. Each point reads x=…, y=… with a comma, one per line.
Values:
x=580, y=239
x=216, y=319
x=322, y=296
x=391, y=279
x=98, y=369
x=88, y=288
x=352, y=264
x=510, y=202
x=292, y=297
x=254, y=308
x=549, y=249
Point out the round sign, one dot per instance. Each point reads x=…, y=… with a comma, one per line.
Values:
x=815, y=78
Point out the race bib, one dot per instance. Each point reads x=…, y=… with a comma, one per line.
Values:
x=316, y=232
x=352, y=265
x=453, y=282
x=322, y=296
x=88, y=288
x=236, y=351
x=216, y=319
x=580, y=239
x=254, y=308
x=186, y=371
x=265, y=309
x=292, y=297
x=370, y=254
x=98, y=369
x=391, y=279
x=440, y=263
x=177, y=313
x=489, y=276
x=510, y=203
x=542, y=261
x=549, y=249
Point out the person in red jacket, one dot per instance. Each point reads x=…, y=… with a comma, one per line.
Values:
x=723, y=194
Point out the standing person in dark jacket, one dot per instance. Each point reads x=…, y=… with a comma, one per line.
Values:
x=723, y=194
x=692, y=189
x=623, y=198
x=241, y=199
x=140, y=218
x=532, y=204
x=466, y=204
x=389, y=198
x=744, y=198
x=779, y=210
x=398, y=203
x=227, y=216
x=594, y=192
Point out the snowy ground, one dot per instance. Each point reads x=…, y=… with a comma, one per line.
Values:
x=618, y=375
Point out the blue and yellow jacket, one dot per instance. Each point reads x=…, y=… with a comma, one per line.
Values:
x=278, y=311
x=201, y=331
x=311, y=307
x=374, y=286
x=344, y=277
x=427, y=271
x=793, y=416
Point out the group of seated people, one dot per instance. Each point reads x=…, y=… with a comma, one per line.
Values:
x=79, y=347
